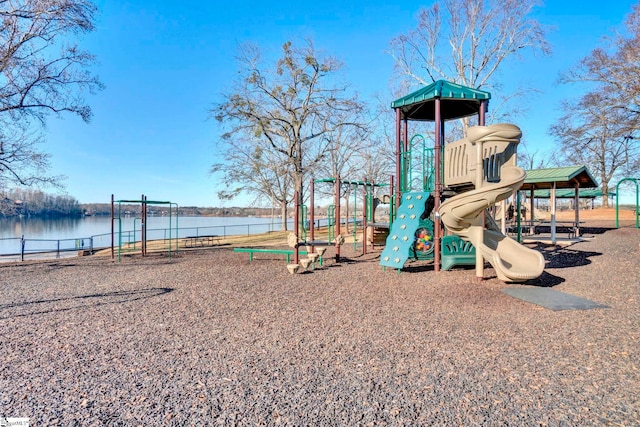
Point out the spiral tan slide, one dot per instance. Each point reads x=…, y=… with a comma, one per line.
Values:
x=482, y=170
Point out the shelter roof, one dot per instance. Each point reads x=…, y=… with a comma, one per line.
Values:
x=567, y=193
x=456, y=101
x=564, y=177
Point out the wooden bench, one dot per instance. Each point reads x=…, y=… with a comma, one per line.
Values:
x=287, y=252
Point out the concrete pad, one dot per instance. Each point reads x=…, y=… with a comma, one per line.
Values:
x=553, y=300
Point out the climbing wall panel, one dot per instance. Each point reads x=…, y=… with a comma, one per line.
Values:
x=402, y=234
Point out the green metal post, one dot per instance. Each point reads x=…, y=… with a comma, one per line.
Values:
x=392, y=209
x=617, y=204
x=119, y=231
x=428, y=184
x=355, y=217
x=635, y=181
x=177, y=228
x=303, y=215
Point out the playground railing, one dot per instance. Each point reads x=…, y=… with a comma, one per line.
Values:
x=21, y=248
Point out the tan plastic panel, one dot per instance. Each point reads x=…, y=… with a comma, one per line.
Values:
x=499, y=147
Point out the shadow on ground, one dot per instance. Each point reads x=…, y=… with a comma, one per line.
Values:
x=565, y=257
x=55, y=305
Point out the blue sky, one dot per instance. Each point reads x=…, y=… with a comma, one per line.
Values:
x=164, y=64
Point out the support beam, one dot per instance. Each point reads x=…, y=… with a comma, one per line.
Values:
x=398, y=157
x=296, y=226
x=577, y=209
x=337, y=218
x=364, y=216
x=312, y=218
x=437, y=238
x=553, y=213
x=478, y=229
x=531, y=210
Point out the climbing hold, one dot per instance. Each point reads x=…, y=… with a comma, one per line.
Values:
x=419, y=197
x=413, y=216
x=405, y=238
x=397, y=260
x=408, y=197
x=403, y=226
x=395, y=249
x=386, y=258
x=402, y=216
x=394, y=237
x=410, y=206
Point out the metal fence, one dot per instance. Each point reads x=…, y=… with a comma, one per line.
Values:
x=21, y=248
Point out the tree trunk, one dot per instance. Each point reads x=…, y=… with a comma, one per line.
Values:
x=605, y=194
x=283, y=213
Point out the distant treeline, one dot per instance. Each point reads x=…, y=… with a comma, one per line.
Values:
x=134, y=209
x=37, y=203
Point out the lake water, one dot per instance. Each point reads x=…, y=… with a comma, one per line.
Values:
x=76, y=233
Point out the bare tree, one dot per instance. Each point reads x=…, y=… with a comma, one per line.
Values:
x=21, y=159
x=528, y=159
x=600, y=129
x=251, y=167
x=376, y=164
x=41, y=72
x=344, y=148
x=467, y=41
x=614, y=69
x=290, y=108
x=595, y=135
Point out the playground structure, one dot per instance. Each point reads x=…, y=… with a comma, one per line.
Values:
x=304, y=228
x=475, y=173
x=478, y=170
x=441, y=211
x=144, y=202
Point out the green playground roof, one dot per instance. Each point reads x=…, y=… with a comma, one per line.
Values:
x=568, y=193
x=564, y=177
x=456, y=101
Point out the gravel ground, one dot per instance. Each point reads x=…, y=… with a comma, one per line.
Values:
x=206, y=338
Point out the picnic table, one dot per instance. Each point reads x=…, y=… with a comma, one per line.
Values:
x=540, y=226
x=570, y=227
x=201, y=241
